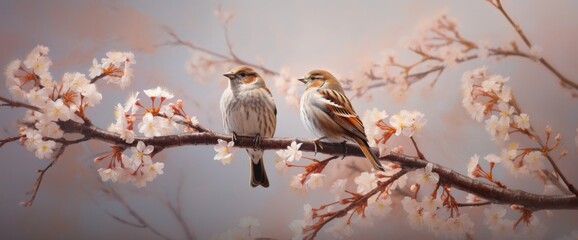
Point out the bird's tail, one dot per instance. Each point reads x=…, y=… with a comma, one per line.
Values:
x=369, y=154
x=258, y=173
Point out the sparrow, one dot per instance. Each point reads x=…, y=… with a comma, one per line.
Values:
x=327, y=112
x=248, y=109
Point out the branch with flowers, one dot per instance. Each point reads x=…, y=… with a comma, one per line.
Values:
x=56, y=118
x=438, y=45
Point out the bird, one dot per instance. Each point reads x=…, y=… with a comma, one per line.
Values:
x=248, y=109
x=327, y=112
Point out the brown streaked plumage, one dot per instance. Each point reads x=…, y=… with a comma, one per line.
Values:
x=327, y=112
x=248, y=109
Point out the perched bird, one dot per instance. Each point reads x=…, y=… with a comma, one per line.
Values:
x=248, y=109
x=327, y=112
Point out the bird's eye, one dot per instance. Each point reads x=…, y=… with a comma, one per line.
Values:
x=242, y=74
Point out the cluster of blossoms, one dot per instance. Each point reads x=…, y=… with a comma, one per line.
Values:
x=487, y=97
x=137, y=168
x=406, y=123
x=374, y=188
x=246, y=230
x=54, y=102
x=158, y=119
x=311, y=179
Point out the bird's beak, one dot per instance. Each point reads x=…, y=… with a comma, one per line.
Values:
x=229, y=75
x=303, y=80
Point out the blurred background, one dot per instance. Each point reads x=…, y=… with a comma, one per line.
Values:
x=297, y=36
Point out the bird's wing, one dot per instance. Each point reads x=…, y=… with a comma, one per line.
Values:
x=339, y=108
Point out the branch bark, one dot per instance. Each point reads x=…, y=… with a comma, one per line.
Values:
x=484, y=190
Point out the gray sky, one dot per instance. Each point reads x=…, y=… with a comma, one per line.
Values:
x=301, y=35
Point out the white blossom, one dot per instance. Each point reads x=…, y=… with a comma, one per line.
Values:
x=425, y=176
x=293, y=153
x=224, y=151
x=315, y=181
x=365, y=182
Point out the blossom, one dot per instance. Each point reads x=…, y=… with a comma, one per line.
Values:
x=315, y=180
x=412, y=208
x=158, y=92
x=341, y=228
x=407, y=122
x=91, y=95
x=450, y=55
x=56, y=110
x=365, y=182
x=534, y=161
x=296, y=227
x=44, y=149
x=142, y=152
x=49, y=129
x=108, y=174
x=117, y=58
x=522, y=121
x=373, y=116
x=280, y=163
x=473, y=166
x=37, y=60
x=380, y=207
x=493, y=158
x=37, y=97
x=494, y=215
x=296, y=185
x=95, y=69
x=338, y=186
x=460, y=226
x=425, y=176
x=430, y=204
x=224, y=151
x=150, y=126
x=130, y=106
x=121, y=126
x=293, y=153
x=151, y=171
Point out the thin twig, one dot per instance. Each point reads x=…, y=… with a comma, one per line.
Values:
x=142, y=222
x=354, y=204
x=9, y=139
x=15, y=104
x=419, y=153
x=473, y=204
x=543, y=146
x=564, y=81
x=40, y=177
x=232, y=58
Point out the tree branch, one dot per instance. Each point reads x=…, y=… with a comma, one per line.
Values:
x=564, y=81
x=484, y=190
x=15, y=104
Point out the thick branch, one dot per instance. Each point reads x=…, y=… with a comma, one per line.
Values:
x=447, y=176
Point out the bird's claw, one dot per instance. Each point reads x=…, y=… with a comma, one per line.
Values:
x=235, y=138
x=257, y=142
x=316, y=143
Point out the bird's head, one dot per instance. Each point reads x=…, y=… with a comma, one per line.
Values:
x=244, y=77
x=321, y=79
